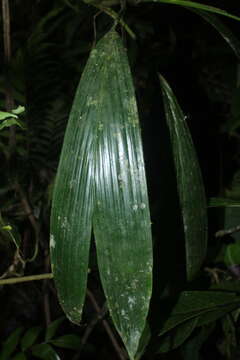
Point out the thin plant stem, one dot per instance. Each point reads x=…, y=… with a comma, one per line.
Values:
x=31, y=217
x=25, y=279
x=118, y=19
x=7, y=58
x=46, y=301
x=6, y=30
x=231, y=231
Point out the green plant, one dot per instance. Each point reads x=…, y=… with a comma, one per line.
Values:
x=8, y=119
x=24, y=344
x=102, y=165
x=183, y=314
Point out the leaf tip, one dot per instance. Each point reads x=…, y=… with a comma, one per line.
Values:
x=74, y=315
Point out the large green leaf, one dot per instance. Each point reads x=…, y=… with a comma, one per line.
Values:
x=195, y=5
x=101, y=178
x=122, y=225
x=72, y=207
x=189, y=183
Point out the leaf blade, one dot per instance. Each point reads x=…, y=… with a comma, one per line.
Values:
x=121, y=217
x=68, y=341
x=29, y=337
x=192, y=304
x=189, y=183
x=45, y=352
x=53, y=327
x=10, y=344
x=72, y=208
x=177, y=336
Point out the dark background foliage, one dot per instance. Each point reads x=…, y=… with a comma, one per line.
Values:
x=50, y=44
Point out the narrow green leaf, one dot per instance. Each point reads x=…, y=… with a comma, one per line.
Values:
x=10, y=122
x=175, y=320
x=19, y=110
x=176, y=337
x=53, y=327
x=30, y=337
x=223, y=30
x=192, y=304
x=196, y=5
x=189, y=182
x=72, y=207
x=10, y=344
x=210, y=316
x=190, y=301
x=122, y=226
x=69, y=341
x=45, y=352
x=4, y=115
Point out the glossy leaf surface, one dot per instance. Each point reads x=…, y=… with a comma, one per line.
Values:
x=122, y=226
x=72, y=207
x=189, y=183
x=101, y=180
